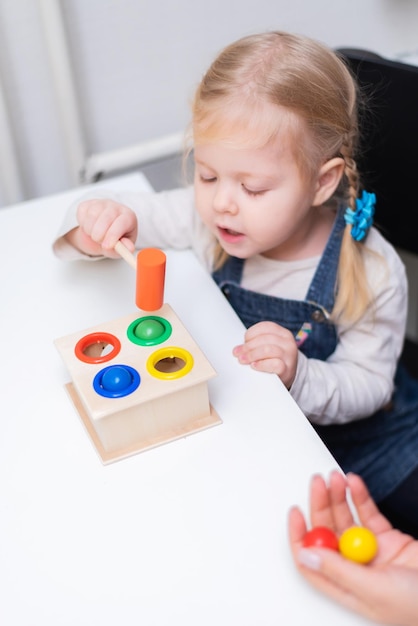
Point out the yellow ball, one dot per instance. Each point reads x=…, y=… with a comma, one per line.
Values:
x=358, y=544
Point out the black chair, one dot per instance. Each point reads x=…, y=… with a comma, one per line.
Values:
x=388, y=155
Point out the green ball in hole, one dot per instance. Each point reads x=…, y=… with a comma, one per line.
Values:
x=149, y=329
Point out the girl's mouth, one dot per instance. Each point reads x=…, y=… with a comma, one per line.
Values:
x=229, y=236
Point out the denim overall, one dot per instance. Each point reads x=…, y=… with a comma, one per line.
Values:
x=383, y=448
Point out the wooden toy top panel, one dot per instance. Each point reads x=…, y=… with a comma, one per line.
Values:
x=136, y=356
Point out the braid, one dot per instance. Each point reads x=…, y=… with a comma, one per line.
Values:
x=353, y=294
x=352, y=178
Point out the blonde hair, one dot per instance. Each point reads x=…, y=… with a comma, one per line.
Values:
x=243, y=88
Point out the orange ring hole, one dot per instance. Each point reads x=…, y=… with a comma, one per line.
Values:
x=97, y=348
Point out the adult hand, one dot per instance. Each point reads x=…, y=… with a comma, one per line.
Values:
x=385, y=590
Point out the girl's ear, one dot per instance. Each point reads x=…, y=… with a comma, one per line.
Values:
x=328, y=179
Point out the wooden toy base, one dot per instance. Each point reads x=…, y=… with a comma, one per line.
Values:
x=170, y=435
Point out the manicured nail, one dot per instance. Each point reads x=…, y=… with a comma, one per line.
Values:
x=309, y=559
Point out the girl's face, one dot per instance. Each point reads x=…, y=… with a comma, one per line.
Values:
x=255, y=201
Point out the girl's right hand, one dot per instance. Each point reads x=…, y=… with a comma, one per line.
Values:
x=102, y=223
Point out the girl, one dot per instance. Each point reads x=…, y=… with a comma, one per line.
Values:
x=277, y=217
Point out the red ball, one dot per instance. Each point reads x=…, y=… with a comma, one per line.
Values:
x=321, y=537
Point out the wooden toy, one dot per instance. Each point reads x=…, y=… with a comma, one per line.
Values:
x=141, y=380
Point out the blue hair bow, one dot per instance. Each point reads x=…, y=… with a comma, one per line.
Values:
x=362, y=218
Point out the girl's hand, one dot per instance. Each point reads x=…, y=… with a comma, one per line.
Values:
x=385, y=590
x=102, y=223
x=269, y=347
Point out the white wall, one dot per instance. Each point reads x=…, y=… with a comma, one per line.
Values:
x=136, y=63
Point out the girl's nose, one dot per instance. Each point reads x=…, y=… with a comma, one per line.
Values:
x=224, y=199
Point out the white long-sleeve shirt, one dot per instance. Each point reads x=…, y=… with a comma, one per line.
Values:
x=357, y=379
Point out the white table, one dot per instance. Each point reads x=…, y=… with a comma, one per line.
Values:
x=188, y=533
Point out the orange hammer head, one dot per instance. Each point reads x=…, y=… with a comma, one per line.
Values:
x=150, y=277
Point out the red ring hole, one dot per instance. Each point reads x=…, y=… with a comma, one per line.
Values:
x=97, y=348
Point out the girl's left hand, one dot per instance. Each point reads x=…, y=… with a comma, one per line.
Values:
x=271, y=348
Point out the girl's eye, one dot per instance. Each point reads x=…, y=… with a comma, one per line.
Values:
x=207, y=179
x=252, y=192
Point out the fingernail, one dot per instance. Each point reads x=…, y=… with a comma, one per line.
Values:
x=309, y=559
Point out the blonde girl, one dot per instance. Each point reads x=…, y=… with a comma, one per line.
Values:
x=278, y=216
